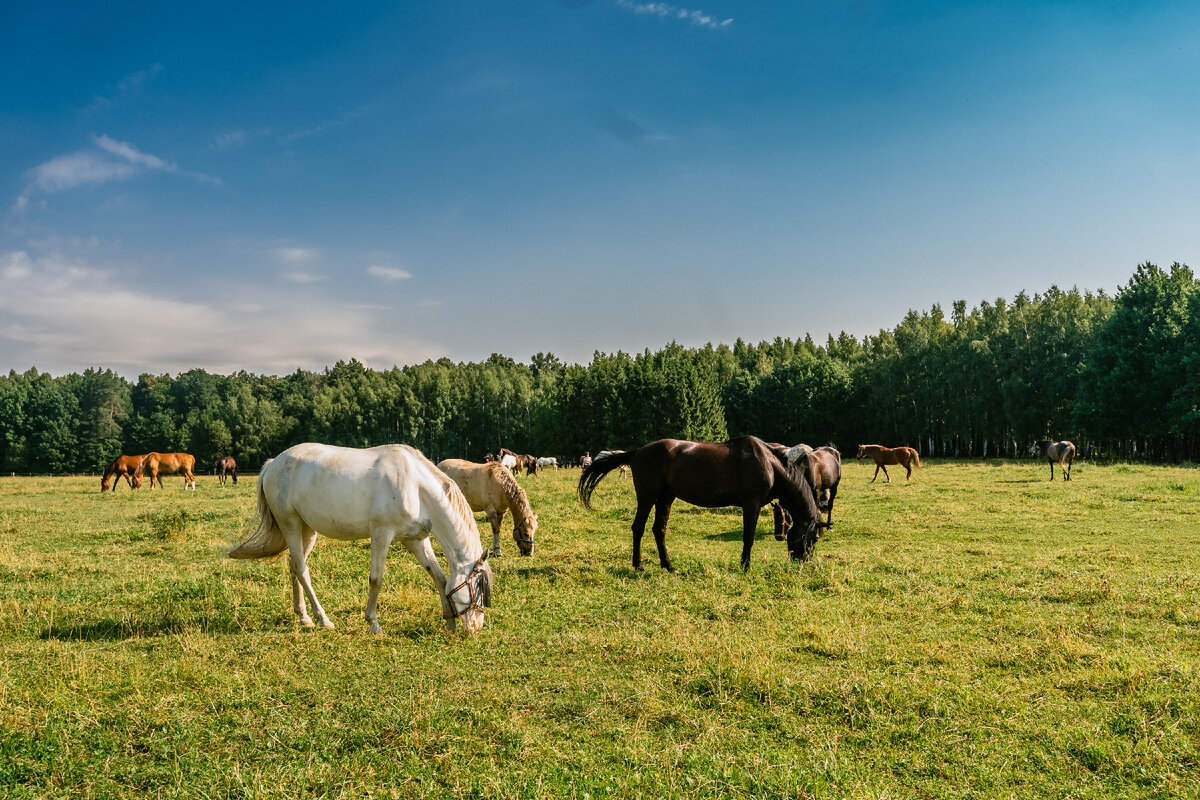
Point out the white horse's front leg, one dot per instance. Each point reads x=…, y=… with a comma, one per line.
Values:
x=381, y=542
x=423, y=552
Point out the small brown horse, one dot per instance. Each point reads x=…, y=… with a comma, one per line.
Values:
x=492, y=489
x=740, y=472
x=823, y=468
x=121, y=467
x=1063, y=452
x=904, y=456
x=159, y=464
x=225, y=465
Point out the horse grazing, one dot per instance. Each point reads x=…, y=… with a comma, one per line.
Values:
x=1062, y=452
x=882, y=456
x=823, y=468
x=121, y=467
x=740, y=472
x=492, y=489
x=225, y=465
x=381, y=493
x=159, y=464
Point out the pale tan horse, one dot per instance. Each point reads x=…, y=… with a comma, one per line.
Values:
x=882, y=456
x=159, y=464
x=492, y=489
x=121, y=467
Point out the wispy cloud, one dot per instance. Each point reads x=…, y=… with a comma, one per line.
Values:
x=107, y=160
x=303, y=277
x=295, y=255
x=322, y=127
x=389, y=273
x=59, y=312
x=668, y=11
x=125, y=87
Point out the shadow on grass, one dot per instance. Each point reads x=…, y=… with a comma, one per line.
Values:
x=118, y=630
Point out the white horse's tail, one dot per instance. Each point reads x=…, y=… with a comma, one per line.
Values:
x=265, y=540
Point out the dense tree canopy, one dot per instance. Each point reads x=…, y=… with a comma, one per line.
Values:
x=1118, y=375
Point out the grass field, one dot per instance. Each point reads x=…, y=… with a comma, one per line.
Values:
x=978, y=632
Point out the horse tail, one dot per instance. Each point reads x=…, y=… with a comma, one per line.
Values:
x=265, y=539
x=601, y=465
x=916, y=459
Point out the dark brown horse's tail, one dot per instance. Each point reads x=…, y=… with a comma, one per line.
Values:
x=265, y=540
x=602, y=465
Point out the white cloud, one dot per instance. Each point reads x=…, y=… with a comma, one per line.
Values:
x=62, y=315
x=302, y=277
x=666, y=10
x=389, y=273
x=108, y=160
x=295, y=255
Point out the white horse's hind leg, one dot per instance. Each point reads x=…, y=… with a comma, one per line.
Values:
x=294, y=533
x=309, y=537
x=381, y=542
x=421, y=549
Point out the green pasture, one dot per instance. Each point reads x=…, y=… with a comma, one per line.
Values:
x=976, y=632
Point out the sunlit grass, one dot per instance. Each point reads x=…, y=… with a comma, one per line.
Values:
x=978, y=631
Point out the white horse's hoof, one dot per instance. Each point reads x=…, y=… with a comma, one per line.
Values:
x=327, y=625
x=306, y=622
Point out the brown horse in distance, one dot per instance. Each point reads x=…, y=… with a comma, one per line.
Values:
x=740, y=472
x=1063, y=452
x=159, y=464
x=121, y=467
x=882, y=456
x=225, y=465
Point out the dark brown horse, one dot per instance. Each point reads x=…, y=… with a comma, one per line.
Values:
x=740, y=472
x=823, y=468
x=882, y=456
x=1063, y=452
x=121, y=467
x=159, y=464
x=225, y=465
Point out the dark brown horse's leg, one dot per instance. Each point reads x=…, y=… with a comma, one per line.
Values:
x=639, y=528
x=885, y=473
x=662, y=513
x=908, y=468
x=1052, y=469
x=878, y=467
x=749, y=528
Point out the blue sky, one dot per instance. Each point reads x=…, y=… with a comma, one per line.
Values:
x=273, y=186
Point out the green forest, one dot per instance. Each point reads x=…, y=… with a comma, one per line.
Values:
x=1118, y=375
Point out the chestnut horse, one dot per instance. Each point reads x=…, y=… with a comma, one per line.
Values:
x=225, y=465
x=740, y=472
x=904, y=456
x=159, y=464
x=122, y=467
x=1062, y=452
x=492, y=489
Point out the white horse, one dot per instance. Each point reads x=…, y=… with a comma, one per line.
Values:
x=381, y=493
x=549, y=461
x=509, y=461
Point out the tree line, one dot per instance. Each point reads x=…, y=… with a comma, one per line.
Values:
x=1120, y=376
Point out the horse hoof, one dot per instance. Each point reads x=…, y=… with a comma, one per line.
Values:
x=327, y=625
x=496, y=553
x=306, y=622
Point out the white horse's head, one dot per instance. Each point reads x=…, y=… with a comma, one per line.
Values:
x=471, y=593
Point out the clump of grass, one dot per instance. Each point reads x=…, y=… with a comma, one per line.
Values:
x=169, y=524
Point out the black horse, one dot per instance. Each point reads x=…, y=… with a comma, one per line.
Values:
x=740, y=472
